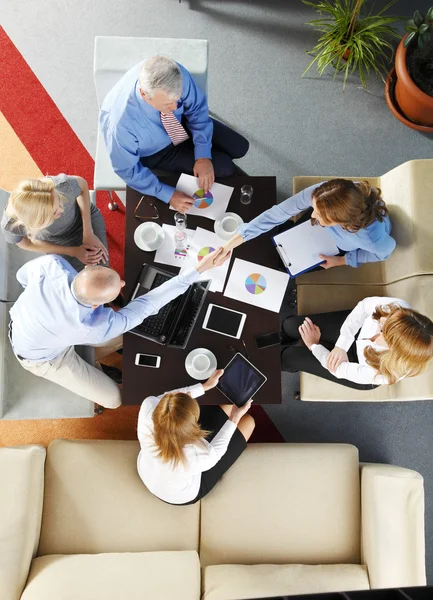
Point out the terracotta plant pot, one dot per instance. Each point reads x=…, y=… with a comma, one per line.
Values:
x=414, y=107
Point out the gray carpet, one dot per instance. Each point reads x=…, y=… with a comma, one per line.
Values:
x=296, y=126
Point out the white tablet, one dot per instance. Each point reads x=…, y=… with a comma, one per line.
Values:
x=224, y=320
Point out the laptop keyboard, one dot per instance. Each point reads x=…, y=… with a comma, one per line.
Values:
x=154, y=324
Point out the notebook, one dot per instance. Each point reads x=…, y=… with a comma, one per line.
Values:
x=300, y=247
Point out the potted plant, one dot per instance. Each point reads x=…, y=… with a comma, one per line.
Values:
x=409, y=87
x=352, y=39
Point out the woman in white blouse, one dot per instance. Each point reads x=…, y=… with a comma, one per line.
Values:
x=187, y=448
x=379, y=342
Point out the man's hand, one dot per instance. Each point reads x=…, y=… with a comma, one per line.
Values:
x=310, y=333
x=210, y=260
x=88, y=255
x=332, y=261
x=181, y=202
x=92, y=240
x=222, y=256
x=335, y=358
x=213, y=380
x=203, y=169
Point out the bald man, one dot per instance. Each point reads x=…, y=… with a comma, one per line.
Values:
x=60, y=309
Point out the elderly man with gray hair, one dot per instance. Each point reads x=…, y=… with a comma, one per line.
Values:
x=156, y=117
x=60, y=309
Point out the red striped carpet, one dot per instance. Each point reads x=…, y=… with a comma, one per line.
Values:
x=35, y=140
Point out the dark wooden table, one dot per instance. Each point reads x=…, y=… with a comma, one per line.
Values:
x=139, y=382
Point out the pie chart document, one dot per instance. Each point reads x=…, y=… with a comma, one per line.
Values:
x=257, y=285
x=211, y=204
x=201, y=245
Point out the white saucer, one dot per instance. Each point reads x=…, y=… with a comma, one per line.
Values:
x=220, y=231
x=140, y=234
x=204, y=374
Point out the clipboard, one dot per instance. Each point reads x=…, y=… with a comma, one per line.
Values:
x=300, y=247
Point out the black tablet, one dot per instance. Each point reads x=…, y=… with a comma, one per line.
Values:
x=241, y=380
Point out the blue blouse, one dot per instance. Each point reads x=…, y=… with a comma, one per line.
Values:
x=370, y=244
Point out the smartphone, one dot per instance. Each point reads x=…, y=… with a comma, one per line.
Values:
x=269, y=339
x=147, y=360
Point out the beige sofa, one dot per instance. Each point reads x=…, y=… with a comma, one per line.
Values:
x=408, y=274
x=77, y=523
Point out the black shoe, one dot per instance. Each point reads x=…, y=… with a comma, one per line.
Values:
x=112, y=372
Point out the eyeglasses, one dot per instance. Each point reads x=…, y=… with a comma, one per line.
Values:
x=149, y=201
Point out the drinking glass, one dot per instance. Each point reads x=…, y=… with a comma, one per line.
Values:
x=180, y=220
x=246, y=194
x=180, y=240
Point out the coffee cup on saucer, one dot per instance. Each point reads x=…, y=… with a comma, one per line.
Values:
x=200, y=363
x=227, y=225
x=149, y=236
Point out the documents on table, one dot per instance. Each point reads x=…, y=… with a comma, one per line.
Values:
x=300, y=247
x=168, y=254
x=212, y=204
x=257, y=285
x=202, y=244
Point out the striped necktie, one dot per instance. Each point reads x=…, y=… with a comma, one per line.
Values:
x=174, y=129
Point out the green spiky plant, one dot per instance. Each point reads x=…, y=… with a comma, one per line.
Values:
x=352, y=39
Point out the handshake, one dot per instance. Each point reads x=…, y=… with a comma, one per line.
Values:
x=214, y=259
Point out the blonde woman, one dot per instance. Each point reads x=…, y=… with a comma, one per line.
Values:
x=54, y=215
x=187, y=448
x=379, y=342
x=354, y=213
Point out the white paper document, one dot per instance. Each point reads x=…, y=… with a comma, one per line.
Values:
x=212, y=204
x=257, y=285
x=300, y=247
x=202, y=244
x=168, y=254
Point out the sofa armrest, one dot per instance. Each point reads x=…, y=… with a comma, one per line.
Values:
x=21, y=499
x=392, y=539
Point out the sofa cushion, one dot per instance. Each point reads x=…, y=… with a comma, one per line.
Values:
x=285, y=503
x=133, y=576
x=22, y=490
x=96, y=502
x=259, y=581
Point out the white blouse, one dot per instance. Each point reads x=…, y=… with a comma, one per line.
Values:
x=361, y=318
x=179, y=484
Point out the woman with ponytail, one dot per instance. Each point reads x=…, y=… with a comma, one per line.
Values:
x=54, y=215
x=187, y=448
x=353, y=211
x=379, y=342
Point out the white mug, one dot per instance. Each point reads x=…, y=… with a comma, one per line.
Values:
x=149, y=234
x=229, y=224
x=201, y=363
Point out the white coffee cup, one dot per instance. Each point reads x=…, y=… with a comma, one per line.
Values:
x=229, y=224
x=200, y=363
x=149, y=234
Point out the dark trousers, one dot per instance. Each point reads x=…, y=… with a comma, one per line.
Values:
x=227, y=144
x=299, y=358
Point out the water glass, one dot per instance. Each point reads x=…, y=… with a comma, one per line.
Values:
x=180, y=220
x=246, y=194
x=180, y=240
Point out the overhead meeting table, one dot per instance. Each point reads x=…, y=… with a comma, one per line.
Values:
x=139, y=382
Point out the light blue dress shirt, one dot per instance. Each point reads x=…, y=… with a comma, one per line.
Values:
x=371, y=244
x=47, y=318
x=132, y=129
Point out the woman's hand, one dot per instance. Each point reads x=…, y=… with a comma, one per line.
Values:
x=222, y=256
x=91, y=240
x=213, y=380
x=332, y=261
x=310, y=333
x=336, y=357
x=238, y=412
x=88, y=255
